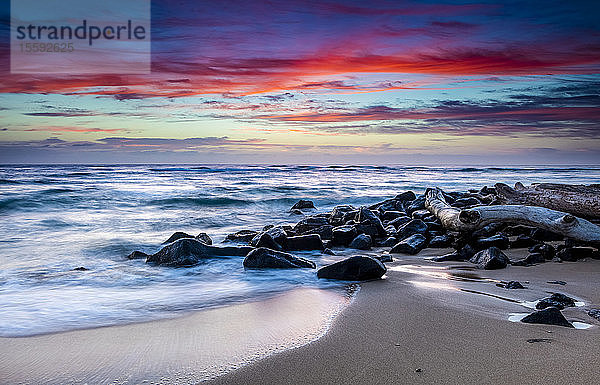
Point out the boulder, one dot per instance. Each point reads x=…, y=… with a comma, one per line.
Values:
x=188, y=252
x=265, y=240
x=514, y=285
x=467, y=252
x=490, y=259
x=500, y=241
x=466, y=202
x=397, y=222
x=557, y=300
x=369, y=228
x=388, y=242
x=361, y=242
x=488, y=231
x=303, y=204
x=411, y=245
x=357, y=268
x=441, y=241
x=390, y=215
x=522, y=241
x=572, y=254
x=267, y=258
x=518, y=230
x=304, y=242
x=242, y=236
x=415, y=226
x=368, y=217
x=137, y=255
x=177, y=235
x=310, y=223
x=325, y=231
x=80, y=268
x=417, y=204
x=406, y=196
x=204, y=238
x=336, y=218
x=547, y=251
x=531, y=259
x=549, y=316
x=545, y=235
x=595, y=313
x=343, y=235
x=420, y=214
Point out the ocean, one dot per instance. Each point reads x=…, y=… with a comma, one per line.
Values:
x=54, y=219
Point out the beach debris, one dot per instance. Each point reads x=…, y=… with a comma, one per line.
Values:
x=548, y=316
x=356, y=268
x=304, y=242
x=137, y=255
x=557, y=300
x=361, y=242
x=490, y=259
x=242, y=236
x=267, y=258
x=557, y=282
x=411, y=245
x=418, y=370
x=595, y=313
x=574, y=199
x=537, y=340
x=453, y=218
x=188, y=252
x=303, y=204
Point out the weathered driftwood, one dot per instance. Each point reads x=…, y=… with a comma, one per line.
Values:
x=579, y=200
x=477, y=217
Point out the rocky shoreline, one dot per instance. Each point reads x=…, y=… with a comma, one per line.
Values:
x=404, y=224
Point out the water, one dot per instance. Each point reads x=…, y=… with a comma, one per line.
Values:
x=57, y=218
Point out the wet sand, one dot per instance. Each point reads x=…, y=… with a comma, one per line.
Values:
x=425, y=323
x=421, y=328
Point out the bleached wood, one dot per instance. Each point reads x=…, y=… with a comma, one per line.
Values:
x=474, y=218
x=579, y=200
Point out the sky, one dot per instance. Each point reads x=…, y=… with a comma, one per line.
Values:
x=344, y=82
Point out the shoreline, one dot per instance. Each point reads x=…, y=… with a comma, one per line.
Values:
x=187, y=349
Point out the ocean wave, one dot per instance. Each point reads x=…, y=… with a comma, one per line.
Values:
x=8, y=181
x=207, y=202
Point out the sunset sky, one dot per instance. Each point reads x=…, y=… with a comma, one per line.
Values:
x=376, y=82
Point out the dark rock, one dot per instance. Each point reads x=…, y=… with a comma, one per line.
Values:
x=390, y=230
x=466, y=202
x=399, y=221
x=244, y=236
x=545, y=235
x=420, y=214
x=267, y=258
x=386, y=205
x=265, y=240
x=297, y=212
x=328, y=251
x=488, y=231
x=310, y=223
x=523, y=241
x=500, y=241
x=177, y=235
x=531, y=259
x=304, y=242
x=557, y=300
x=336, y=218
x=343, y=235
x=433, y=226
x=514, y=285
x=384, y=258
x=518, y=230
x=187, y=252
x=325, y=232
x=417, y=204
x=557, y=283
x=80, y=268
x=440, y=241
x=357, y=268
x=485, y=190
x=388, y=242
x=361, y=242
x=595, y=313
x=576, y=253
x=406, y=196
x=415, y=226
x=369, y=228
x=367, y=217
x=549, y=316
x=137, y=255
x=204, y=238
x=546, y=250
x=411, y=245
x=466, y=252
x=268, y=227
x=490, y=259
x=391, y=215
x=303, y=204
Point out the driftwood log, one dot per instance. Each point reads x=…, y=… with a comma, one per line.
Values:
x=474, y=218
x=579, y=200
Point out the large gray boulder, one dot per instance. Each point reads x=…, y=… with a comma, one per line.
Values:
x=188, y=252
x=267, y=258
x=357, y=268
x=490, y=259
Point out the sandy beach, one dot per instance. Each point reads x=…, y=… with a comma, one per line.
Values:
x=425, y=322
